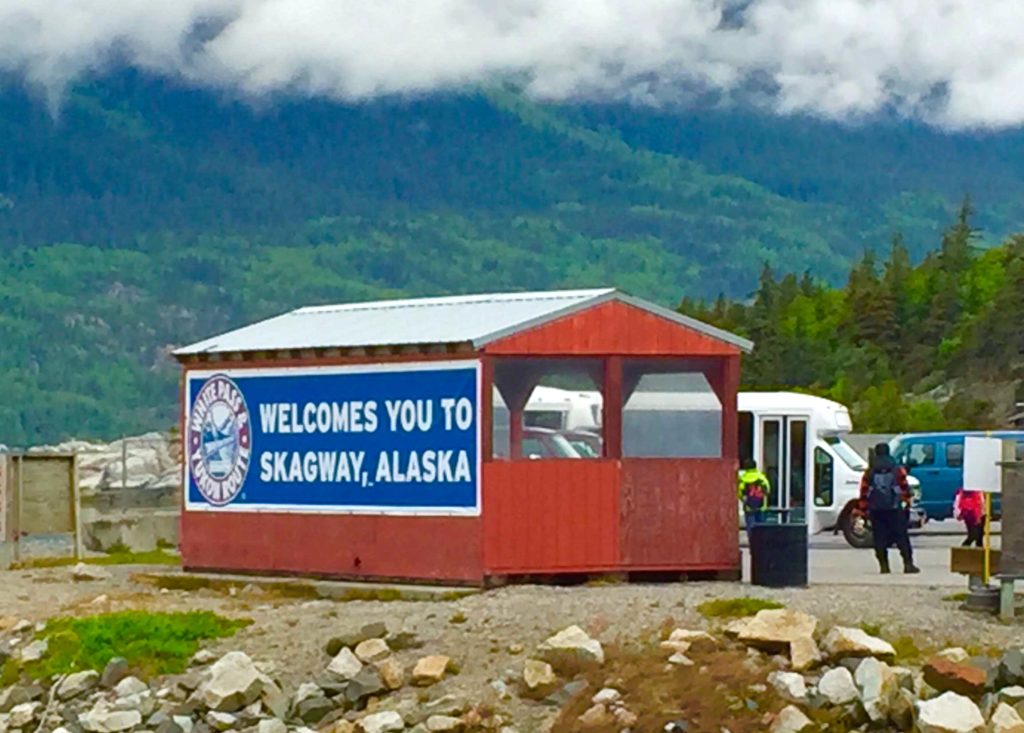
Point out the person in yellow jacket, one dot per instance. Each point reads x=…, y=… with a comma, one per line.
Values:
x=753, y=491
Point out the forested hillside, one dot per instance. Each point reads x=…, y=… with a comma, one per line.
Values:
x=908, y=348
x=144, y=215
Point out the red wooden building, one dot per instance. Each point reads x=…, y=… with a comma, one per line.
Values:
x=660, y=497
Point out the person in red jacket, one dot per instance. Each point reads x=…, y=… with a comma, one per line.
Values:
x=969, y=508
x=885, y=497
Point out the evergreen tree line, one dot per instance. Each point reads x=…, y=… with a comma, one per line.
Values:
x=937, y=345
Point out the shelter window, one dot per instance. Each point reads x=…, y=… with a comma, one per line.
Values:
x=557, y=405
x=670, y=414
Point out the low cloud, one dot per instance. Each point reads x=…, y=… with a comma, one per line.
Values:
x=952, y=63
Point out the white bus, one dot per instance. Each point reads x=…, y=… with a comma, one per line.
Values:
x=798, y=441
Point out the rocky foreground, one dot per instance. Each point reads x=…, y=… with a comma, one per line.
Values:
x=775, y=671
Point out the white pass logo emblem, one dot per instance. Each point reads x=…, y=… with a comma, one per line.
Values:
x=219, y=440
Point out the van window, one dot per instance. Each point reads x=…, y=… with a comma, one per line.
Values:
x=550, y=419
x=954, y=455
x=824, y=472
x=921, y=454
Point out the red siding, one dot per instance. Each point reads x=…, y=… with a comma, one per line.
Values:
x=611, y=328
x=550, y=516
x=679, y=514
x=427, y=548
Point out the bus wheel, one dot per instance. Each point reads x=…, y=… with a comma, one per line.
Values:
x=857, y=531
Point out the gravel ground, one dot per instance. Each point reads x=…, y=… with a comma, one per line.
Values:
x=478, y=631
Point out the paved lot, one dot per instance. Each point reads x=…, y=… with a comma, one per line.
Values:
x=833, y=561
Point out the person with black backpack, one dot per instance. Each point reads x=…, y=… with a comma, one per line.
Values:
x=885, y=497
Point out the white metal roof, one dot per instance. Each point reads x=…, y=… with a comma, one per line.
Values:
x=473, y=319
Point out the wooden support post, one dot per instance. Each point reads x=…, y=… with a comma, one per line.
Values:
x=613, y=402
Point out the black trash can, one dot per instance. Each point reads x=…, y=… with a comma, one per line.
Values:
x=778, y=552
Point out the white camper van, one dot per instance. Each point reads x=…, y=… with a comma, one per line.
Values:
x=798, y=441
x=563, y=409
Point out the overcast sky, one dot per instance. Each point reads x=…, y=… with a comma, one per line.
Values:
x=952, y=63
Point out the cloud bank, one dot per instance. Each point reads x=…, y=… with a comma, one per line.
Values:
x=952, y=63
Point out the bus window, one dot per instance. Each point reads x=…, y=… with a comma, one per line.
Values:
x=824, y=473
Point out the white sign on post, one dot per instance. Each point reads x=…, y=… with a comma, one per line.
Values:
x=982, y=471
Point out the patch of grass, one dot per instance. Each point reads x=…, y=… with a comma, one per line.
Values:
x=458, y=618
x=955, y=598
x=735, y=607
x=907, y=649
x=163, y=544
x=871, y=629
x=125, y=557
x=153, y=643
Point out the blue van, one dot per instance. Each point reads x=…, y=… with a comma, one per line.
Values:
x=936, y=460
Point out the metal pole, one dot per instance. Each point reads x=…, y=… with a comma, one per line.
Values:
x=988, y=538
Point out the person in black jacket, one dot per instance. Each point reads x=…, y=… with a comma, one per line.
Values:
x=885, y=497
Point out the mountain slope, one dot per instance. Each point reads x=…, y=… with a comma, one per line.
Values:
x=147, y=215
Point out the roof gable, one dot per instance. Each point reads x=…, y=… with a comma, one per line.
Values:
x=616, y=326
x=477, y=320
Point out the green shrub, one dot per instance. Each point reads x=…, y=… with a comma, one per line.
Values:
x=153, y=643
x=735, y=607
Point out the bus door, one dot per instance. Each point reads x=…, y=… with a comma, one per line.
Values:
x=784, y=455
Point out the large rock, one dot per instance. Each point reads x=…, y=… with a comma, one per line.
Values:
x=345, y=665
x=803, y=653
x=271, y=725
x=789, y=685
x=430, y=670
x=954, y=654
x=539, y=677
x=77, y=684
x=34, y=652
x=115, y=671
x=352, y=638
x=1006, y=720
x=791, y=720
x=878, y=688
x=1011, y=668
x=272, y=697
x=392, y=673
x=14, y=695
x=697, y=641
x=234, y=683
x=963, y=679
x=949, y=713
x=837, y=686
x=846, y=643
x=313, y=709
x=387, y=721
x=777, y=631
x=596, y=716
x=444, y=724
x=572, y=647
x=23, y=715
x=372, y=650
x=365, y=684
x=105, y=719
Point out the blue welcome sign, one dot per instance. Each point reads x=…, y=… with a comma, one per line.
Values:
x=387, y=439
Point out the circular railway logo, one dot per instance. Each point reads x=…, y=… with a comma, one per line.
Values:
x=219, y=440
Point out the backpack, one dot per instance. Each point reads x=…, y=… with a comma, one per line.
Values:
x=753, y=496
x=884, y=492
